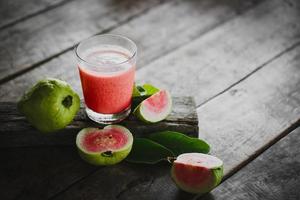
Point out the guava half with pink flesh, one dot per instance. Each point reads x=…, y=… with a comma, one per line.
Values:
x=155, y=108
x=106, y=146
x=196, y=172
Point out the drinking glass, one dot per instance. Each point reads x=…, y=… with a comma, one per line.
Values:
x=106, y=66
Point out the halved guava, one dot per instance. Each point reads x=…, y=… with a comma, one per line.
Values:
x=196, y=172
x=155, y=108
x=106, y=146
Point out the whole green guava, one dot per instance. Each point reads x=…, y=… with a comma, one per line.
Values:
x=50, y=105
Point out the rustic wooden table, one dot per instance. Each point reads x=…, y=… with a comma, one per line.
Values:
x=240, y=60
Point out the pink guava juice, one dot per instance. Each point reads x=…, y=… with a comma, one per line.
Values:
x=107, y=82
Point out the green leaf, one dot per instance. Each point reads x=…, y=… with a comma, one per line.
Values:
x=179, y=143
x=148, y=152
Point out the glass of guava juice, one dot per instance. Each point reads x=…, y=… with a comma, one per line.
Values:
x=106, y=66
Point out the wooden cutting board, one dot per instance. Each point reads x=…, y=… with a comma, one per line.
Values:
x=17, y=132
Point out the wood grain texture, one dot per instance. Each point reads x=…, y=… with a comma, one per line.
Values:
x=15, y=11
x=274, y=175
x=133, y=182
x=222, y=57
x=150, y=31
x=239, y=52
x=253, y=114
x=60, y=29
x=17, y=132
x=157, y=34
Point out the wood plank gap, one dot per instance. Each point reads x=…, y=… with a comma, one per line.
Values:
x=257, y=182
x=23, y=71
x=74, y=183
x=51, y=7
x=206, y=31
x=251, y=73
x=209, y=29
x=262, y=150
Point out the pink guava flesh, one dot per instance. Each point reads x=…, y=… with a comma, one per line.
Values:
x=157, y=102
x=193, y=176
x=196, y=172
x=104, y=140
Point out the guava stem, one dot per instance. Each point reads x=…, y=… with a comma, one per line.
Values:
x=107, y=154
x=141, y=89
x=67, y=102
x=171, y=159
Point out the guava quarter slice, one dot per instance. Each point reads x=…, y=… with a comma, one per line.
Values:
x=107, y=146
x=196, y=172
x=155, y=108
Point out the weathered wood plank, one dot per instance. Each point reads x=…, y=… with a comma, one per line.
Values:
x=157, y=34
x=126, y=181
x=222, y=57
x=255, y=113
x=15, y=11
x=166, y=71
x=59, y=30
x=16, y=131
x=238, y=124
x=274, y=175
x=151, y=31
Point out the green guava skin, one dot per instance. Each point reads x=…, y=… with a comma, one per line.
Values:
x=215, y=177
x=100, y=158
x=50, y=105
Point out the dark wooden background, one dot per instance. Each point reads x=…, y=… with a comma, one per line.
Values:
x=239, y=59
